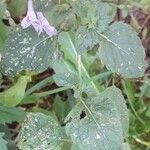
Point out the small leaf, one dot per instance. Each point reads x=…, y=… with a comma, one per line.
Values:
x=10, y=114
x=25, y=50
x=14, y=95
x=86, y=11
x=106, y=14
x=86, y=39
x=59, y=15
x=122, y=52
x=40, y=131
x=61, y=108
x=69, y=79
x=96, y=123
x=3, y=143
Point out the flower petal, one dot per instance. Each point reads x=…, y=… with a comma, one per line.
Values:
x=31, y=14
x=25, y=23
x=50, y=30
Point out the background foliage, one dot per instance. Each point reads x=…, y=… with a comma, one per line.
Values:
x=88, y=87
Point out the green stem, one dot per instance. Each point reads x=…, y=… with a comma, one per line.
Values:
x=39, y=85
x=79, y=70
x=142, y=142
x=43, y=94
x=101, y=76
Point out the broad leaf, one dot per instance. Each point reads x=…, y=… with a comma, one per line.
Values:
x=25, y=50
x=10, y=114
x=40, y=131
x=3, y=143
x=122, y=52
x=14, y=95
x=97, y=122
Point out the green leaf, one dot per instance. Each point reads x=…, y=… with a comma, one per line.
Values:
x=61, y=108
x=40, y=131
x=3, y=143
x=25, y=50
x=86, y=11
x=4, y=30
x=10, y=114
x=86, y=39
x=67, y=46
x=98, y=122
x=122, y=52
x=145, y=88
x=68, y=79
x=13, y=96
x=61, y=16
x=106, y=14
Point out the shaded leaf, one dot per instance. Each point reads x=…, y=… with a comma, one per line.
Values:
x=40, y=131
x=122, y=52
x=25, y=50
x=14, y=95
x=61, y=108
x=17, y=7
x=10, y=114
x=96, y=123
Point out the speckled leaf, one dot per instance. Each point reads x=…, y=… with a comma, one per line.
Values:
x=40, y=132
x=25, y=50
x=85, y=39
x=122, y=52
x=3, y=143
x=96, y=123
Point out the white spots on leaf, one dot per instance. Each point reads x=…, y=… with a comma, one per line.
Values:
x=98, y=136
x=139, y=67
x=118, y=33
x=24, y=41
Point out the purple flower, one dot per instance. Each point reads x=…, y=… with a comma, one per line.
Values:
x=44, y=25
x=39, y=22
